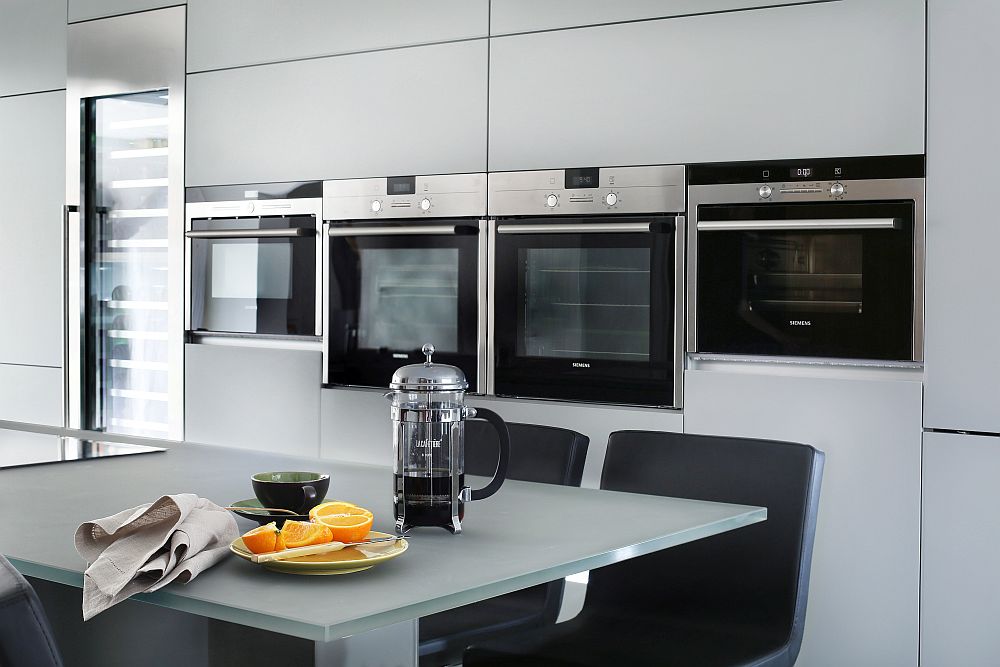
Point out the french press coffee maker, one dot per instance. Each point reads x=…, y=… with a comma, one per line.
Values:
x=428, y=417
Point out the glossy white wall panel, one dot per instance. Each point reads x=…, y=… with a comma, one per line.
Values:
x=32, y=46
x=31, y=394
x=419, y=110
x=863, y=592
x=817, y=80
x=32, y=176
x=228, y=33
x=253, y=398
x=963, y=227
x=507, y=16
x=960, y=582
x=83, y=10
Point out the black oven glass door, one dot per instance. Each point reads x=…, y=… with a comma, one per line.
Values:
x=813, y=280
x=587, y=313
x=395, y=288
x=254, y=275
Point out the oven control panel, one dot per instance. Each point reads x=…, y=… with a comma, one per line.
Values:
x=588, y=191
x=806, y=190
x=405, y=197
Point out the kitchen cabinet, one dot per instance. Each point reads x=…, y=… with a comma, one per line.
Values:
x=84, y=10
x=817, y=80
x=509, y=16
x=962, y=310
x=264, y=399
x=32, y=47
x=32, y=177
x=864, y=586
x=420, y=110
x=960, y=583
x=231, y=33
x=31, y=394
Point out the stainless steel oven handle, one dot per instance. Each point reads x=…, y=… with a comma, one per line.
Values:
x=585, y=228
x=780, y=225
x=451, y=230
x=250, y=233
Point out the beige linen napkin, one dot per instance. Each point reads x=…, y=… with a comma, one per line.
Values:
x=147, y=547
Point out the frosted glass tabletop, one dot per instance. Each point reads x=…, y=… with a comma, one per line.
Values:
x=526, y=534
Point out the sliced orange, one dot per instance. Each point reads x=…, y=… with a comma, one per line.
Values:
x=337, y=507
x=348, y=522
x=303, y=533
x=262, y=539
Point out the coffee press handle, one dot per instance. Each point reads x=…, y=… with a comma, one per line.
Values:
x=501, y=474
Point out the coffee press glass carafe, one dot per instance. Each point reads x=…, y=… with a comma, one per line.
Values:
x=428, y=417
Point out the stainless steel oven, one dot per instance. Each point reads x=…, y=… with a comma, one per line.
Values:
x=407, y=266
x=254, y=263
x=812, y=259
x=586, y=293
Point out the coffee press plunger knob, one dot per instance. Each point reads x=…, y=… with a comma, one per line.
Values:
x=428, y=350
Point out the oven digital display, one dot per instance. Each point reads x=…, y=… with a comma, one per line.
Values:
x=582, y=178
x=800, y=172
x=401, y=185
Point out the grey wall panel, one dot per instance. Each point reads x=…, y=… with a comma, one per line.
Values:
x=228, y=33
x=507, y=16
x=253, y=398
x=418, y=110
x=31, y=394
x=83, y=10
x=963, y=231
x=960, y=583
x=356, y=425
x=32, y=174
x=817, y=80
x=32, y=46
x=865, y=576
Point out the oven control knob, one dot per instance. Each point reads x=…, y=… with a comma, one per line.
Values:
x=837, y=189
x=376, y=206
x=551, y=201
x=611, y=199
x=764, y=191
x=249, y=207
x=425, y=204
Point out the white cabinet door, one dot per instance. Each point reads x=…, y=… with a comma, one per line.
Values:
x=32, y=174
x=31, y=394
x=253, y=398
x=406, y=111
x=230, y=33
x=818, y=80
x=960, y=578
x=32, y=46
x=84, y=10
x=864, y=586
x=963, y=229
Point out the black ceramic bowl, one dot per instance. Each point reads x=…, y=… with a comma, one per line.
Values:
x=296, y=491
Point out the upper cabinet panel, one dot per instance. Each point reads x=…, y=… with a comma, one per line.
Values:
x=818, y=80
x=84, y=10
x=509, y=16
x=32, y=46
x=229, y=33
x=419, y=110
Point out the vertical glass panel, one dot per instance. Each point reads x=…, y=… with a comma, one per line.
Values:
x=585, y=303
x=408, y=295
x=127, y=263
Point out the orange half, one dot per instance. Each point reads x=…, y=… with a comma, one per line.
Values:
x=347, y=521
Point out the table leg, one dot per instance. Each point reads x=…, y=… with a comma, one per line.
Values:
x=391, y=646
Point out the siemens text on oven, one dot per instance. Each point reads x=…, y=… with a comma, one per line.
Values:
x=800, y=323
x=580, y=364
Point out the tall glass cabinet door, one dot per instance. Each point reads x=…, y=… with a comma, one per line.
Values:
x=126, y=211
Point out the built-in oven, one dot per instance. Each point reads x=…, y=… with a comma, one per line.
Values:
x=586, y=290
x=812, y=259
x=254, y=259
x=407, y=265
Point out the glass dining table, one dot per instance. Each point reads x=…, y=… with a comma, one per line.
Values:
x=525, y=535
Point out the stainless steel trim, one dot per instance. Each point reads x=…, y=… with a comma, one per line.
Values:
x=570, y=228
x=72, y=261
x=447, y=196
x=411, y=230
x=482, y=305
x=778, y=225
x=257, y=341
x=490, y=306
x=249, y=233
x=679, y=246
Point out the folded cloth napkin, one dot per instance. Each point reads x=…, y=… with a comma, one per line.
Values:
x=147, y=547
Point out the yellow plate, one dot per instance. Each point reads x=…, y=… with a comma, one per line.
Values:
x=345, y=561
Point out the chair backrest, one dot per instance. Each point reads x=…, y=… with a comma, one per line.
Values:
x=757, y=575
x=26, y=639
x=537, y=453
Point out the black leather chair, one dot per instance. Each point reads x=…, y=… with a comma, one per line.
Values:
x=26, y=638
x=738, y=598
x=537, y=454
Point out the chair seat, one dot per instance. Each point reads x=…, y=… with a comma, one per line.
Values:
x=595, y=639
x=511, y=610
